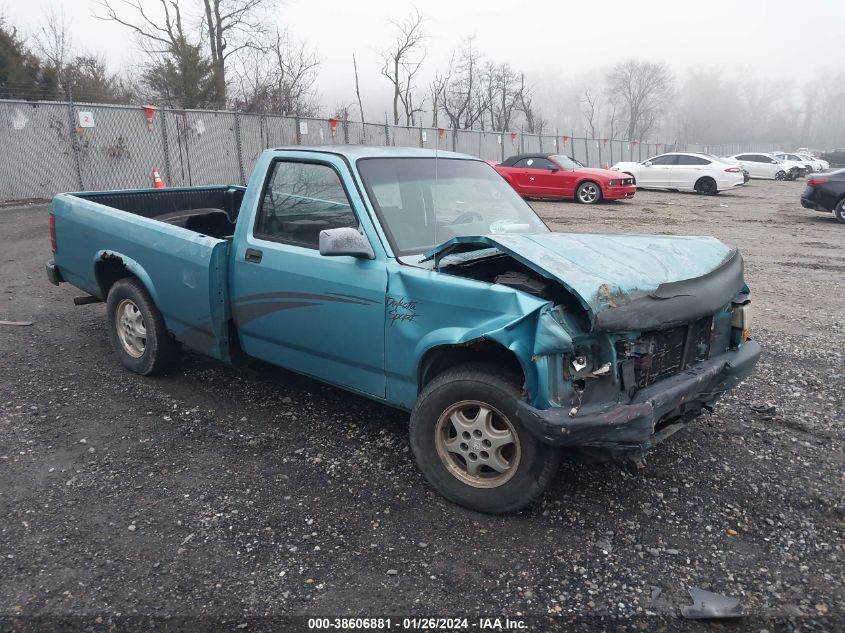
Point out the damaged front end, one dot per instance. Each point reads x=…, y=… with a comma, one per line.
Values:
x=624, y=359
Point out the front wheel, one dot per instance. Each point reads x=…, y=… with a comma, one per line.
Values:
x=137, y=330
x=839, y=211
x=706, y=187
x=781, y=175
x=472, y=448
x=588, y=193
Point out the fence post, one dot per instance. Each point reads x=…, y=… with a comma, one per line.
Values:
x=74, y=139
x=296, y=130
x=386, y=132
x=346, y=131
x=240, y=151
x=167, y=167
x=586, y=150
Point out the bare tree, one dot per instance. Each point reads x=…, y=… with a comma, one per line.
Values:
x=55, y=45
x=437, y=92
x=231, y=26
x=501, y=86
x=358, y=88
x=227, y=26
x=534, y=122
x=642, y=89
x=279, y=80
x=402, y=61
x=464, y=101
x=590, y=109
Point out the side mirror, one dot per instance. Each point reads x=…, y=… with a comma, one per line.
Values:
x=774, y=162
x=647, y=163
x=553, y=168
x=345, y=241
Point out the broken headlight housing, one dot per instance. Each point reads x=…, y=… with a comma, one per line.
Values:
x=741, y=323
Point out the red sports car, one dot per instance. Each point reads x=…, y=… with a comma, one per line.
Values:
x=558, y=176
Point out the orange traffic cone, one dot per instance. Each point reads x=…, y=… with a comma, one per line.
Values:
x=158, y=183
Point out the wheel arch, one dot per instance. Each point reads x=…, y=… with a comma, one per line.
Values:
x=703, y=178
x=440, y=358
x=110, y=267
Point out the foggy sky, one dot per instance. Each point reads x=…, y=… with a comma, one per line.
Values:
x=552, y=42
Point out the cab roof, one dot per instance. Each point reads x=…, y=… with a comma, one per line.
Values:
x=355, y=152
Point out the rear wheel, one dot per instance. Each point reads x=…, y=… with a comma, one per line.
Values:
x=136, y=329
x=471, y=446
x=839, y=211
x=706, y=186
x=588, y=192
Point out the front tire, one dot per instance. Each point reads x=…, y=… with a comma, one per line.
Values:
x=472, y=448
x=780, y=175
x=706, y=186
x=136, y=329
x=839, y=211
x=588, y=192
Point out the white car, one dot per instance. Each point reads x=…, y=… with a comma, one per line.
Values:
x=760, y=165
x=794, y=160
x=817, y=163
x=684, y=171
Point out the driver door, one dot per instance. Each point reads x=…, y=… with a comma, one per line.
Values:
x=317, y=315
x=525, y=176
x=658, y=174
x=548, y=178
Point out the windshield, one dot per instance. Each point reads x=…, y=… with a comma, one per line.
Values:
x=566, y=162
x=423, y=202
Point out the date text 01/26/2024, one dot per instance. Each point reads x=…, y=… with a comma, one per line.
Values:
x=412, y=624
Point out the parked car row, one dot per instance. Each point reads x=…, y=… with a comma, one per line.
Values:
x=555, y=176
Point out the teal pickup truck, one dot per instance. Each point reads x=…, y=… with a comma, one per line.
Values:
x=423, y=281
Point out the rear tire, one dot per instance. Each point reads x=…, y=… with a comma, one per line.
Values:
x=137, y=331
x=839, y=211
x=706, y=186
x=470, y=445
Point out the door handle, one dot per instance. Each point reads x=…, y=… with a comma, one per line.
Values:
x=253, y=255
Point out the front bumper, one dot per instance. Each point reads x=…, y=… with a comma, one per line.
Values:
x=53, y=274
x=619, y=193
x=632, y=426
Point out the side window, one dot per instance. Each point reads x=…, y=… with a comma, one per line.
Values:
x=746, y=157
x=540, y=163
x=686, y=159
x=301, y=200
x=524, y=163
x=666, y=159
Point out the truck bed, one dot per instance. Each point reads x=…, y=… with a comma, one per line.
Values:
x=176, y=241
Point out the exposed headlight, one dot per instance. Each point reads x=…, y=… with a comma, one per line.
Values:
x=741, y=321
x=613, y=183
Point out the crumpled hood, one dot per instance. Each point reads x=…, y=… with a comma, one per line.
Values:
x=611, y=271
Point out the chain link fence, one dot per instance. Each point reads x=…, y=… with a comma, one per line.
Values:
x=49, y=147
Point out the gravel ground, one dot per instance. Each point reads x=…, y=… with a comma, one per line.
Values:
x=243, y=493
